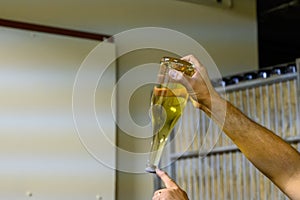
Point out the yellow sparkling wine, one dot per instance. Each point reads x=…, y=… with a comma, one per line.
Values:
x=166, y=108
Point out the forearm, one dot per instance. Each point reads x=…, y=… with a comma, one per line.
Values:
x=268, y=152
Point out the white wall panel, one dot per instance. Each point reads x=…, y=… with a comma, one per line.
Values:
x=41, y=155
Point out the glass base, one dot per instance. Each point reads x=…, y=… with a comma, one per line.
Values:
x=150, y=168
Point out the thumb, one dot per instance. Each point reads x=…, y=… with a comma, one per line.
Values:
x=169, y=183
x=180, y=78
x=174, y=74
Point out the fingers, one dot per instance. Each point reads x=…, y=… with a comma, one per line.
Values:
x=192, y=59
x=181, y=78
x=172, y=190
x=176, y=75
x=169, y=183
x=156, y=195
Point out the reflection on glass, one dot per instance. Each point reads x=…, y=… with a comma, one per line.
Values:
x=167, y=103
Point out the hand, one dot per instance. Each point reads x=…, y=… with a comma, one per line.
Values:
x=172, y=190
x=199, y=85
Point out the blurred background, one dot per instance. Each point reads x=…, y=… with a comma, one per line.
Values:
x=43, y=45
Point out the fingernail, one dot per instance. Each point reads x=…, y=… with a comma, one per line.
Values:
x=158, y=171
x=175, y=74
x=172, y=73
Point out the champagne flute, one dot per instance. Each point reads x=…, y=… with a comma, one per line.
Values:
x=167, y=104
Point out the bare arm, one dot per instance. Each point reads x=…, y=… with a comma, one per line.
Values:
x=269, y=153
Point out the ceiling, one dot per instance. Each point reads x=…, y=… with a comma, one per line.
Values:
x=215, y=27
x=110, y=16
x=104, y=16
